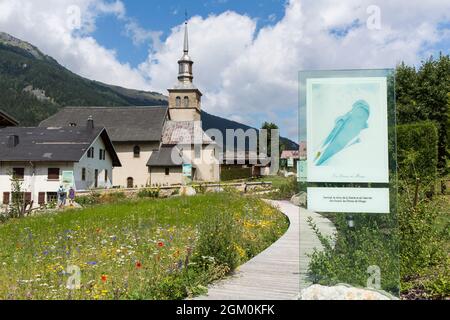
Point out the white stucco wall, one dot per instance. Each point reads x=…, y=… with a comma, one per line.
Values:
x=35, y=177
x=36, y=174
x=132, y=167
x=158, y=176
x=91, y=164
x=206, y=168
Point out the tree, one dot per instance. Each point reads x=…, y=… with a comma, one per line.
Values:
x=269, y=126
x=405, y=88
x=424, y=95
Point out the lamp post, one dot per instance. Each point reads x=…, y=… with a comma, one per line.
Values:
x=350, y=221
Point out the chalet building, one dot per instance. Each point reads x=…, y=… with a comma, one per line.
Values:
x=7, y=121
x=146, y=138
x=38, y=157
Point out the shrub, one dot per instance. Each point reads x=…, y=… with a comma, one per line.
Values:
x=148, y=193
x=100, y=198
x=372, y=242
x=229, y=173
x=417, y=146
x=422, y=244
x=287, y=189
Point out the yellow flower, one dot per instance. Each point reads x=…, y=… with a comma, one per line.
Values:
x=240, y=250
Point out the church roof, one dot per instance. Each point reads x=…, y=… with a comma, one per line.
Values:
x=184, y=132
x=163, y=157
x=124, y=124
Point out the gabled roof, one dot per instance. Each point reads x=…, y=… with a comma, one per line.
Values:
x=52, y=144
x=6, y=120
x=163, y=158
x=287, y=154
x=124, y=124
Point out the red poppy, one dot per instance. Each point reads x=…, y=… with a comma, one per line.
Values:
x=104, y=278
x=160, y=244
x=138, y=265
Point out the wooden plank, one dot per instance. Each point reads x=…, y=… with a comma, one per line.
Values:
x=279, y=272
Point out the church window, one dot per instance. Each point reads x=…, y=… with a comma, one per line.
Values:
x=178, y=101
x=137, y=152
x=186, y=102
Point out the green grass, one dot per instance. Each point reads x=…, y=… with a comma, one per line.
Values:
x=277, y=181
x=140, y=249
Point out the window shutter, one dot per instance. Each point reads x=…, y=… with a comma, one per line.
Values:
x=27, y=197
x=6, y=197
x=41, y=200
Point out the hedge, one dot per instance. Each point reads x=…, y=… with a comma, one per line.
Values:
x=233, y=173
x=417, y=146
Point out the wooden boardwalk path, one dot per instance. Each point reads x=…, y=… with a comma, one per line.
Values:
x=274, y=273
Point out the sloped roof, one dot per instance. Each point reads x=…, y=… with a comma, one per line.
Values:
x=6, y=120
x=286, y=154
x=52, y=144
x=163, y=158
x=184, y=132
x=123, y=123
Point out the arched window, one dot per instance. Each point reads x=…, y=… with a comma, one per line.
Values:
x=178, y=102
x=137, y=151
x=130, y=183
x=186, y=102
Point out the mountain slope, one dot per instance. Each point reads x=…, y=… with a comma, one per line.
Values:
x=34, y=86
x=214, y=122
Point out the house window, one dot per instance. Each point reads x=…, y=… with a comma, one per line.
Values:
x=167, y=171
x=83, y=174
x=102, y=154
x=90, y=153
x=96, y=178
x=186, y=102
x=41, y=198
x=6, y=197
x=52, y=197
x=53, y=174
x=137, y=151
x=106, y=175
x=27, y=197
x=178, y=102
x=18, y=173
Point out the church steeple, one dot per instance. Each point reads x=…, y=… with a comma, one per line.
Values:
x=184, y=98
x=185, y=75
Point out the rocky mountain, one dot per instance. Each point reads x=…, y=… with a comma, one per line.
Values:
x=34, y=86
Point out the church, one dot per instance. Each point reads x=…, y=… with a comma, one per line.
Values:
x=157, y=146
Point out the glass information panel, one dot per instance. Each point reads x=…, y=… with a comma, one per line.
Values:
x=349, y=231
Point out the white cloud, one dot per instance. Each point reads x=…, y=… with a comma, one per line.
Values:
x=245, y=73
x=44, y=23
x=252, y=75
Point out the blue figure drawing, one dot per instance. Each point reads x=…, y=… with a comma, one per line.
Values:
x=345, y=132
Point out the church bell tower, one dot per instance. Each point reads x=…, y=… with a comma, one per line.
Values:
x=184, y=97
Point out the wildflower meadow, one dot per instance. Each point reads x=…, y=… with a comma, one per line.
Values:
x=134, y=249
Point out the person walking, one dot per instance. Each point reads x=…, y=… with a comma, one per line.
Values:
x=61, y=197
x=71, y=196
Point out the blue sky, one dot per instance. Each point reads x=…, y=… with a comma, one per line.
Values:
x=247, y=53
x=161, y=16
